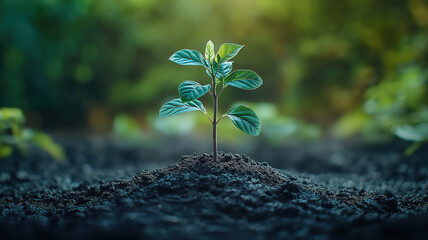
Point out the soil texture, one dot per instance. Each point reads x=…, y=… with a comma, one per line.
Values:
x=196, y=198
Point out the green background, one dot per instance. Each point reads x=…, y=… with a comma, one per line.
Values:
x=330, y=67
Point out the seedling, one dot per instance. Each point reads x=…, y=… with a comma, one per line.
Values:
x=219, y=68
x=14, y=135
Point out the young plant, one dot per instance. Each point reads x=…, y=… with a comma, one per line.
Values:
x=14, y=135
x=219, y=68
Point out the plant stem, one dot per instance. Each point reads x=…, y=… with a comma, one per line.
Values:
x=220, y=117
x=412, y=149
x=214, y=121
x=206, y=114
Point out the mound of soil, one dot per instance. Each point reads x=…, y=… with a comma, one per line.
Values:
x=234, y=198
x=203, y=165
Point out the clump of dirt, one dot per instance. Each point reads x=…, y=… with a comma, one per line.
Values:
x=203, y=164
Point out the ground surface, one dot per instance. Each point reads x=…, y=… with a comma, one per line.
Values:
x=326, y=190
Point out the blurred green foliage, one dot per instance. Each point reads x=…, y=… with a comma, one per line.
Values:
x=359, y=66
x=126, y=128
x=13, y=135
x=418, y=134
x=278, y=128
x=397, y=100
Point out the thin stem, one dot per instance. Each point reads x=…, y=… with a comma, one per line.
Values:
x=215, y=103
x=413, y=148
x=216, y=71
x=214, y=121
x=208, y=116
x=214, y=74
x=220, y=118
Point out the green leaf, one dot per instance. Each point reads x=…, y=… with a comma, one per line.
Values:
x=244, y=79
x=209, y=51
x=127, y=129
x=5, y=151
x=45, y=142
x=190, y=90
x=245, y=119
x=224, y=69
x=176, y=106
x=413, y=133
x=228, y=51
x=11, y=114
x=189, y=57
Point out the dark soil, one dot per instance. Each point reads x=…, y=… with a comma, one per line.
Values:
x=234, y=198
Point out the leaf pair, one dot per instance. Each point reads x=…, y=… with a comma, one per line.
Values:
x=244, y=79
x=193, y=57
x=219, y=65
x=244, y=118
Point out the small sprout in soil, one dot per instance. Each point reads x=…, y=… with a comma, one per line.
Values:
x=219, y=68
x=13, y=135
